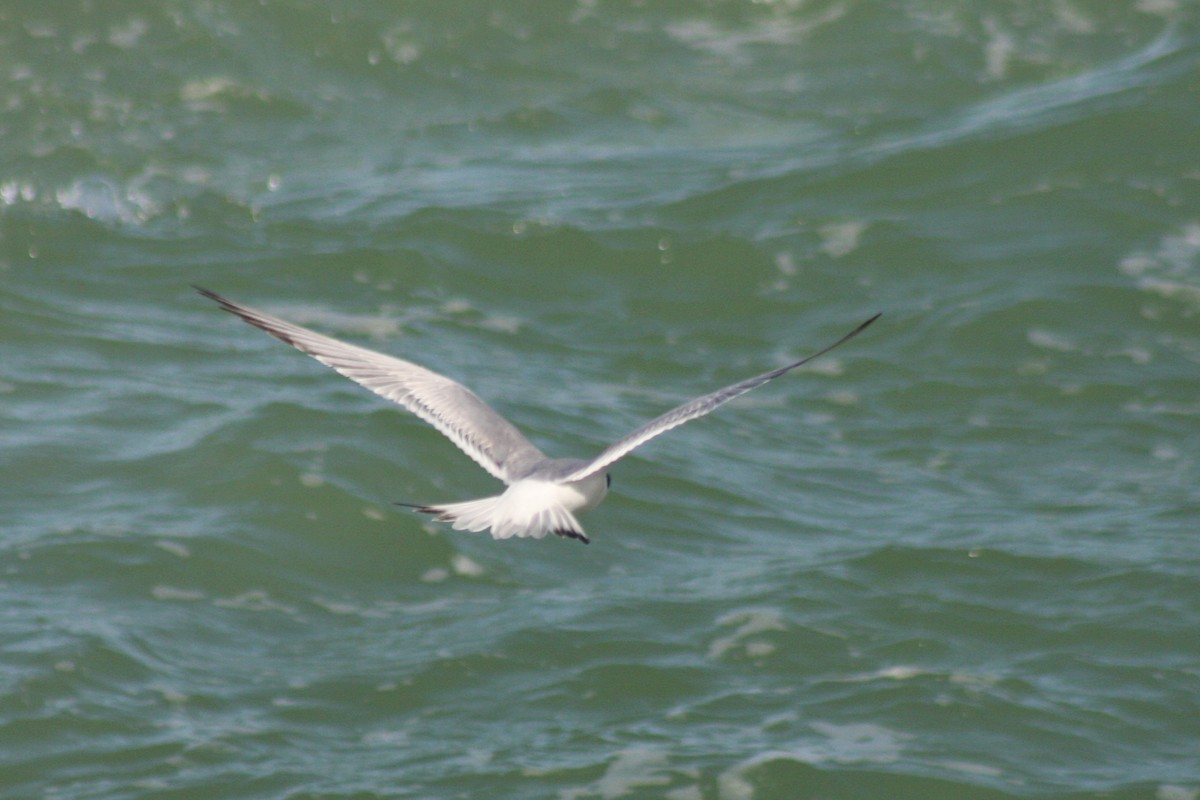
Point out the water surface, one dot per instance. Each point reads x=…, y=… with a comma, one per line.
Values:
x=957, y=558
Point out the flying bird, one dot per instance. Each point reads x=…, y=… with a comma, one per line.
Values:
x=544, y=494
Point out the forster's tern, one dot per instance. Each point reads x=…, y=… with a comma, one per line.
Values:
x=543, y=494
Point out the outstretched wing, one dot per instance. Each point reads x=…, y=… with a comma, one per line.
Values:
x=696, y=408
x=492, y=441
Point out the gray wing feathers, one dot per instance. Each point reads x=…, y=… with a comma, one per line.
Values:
x=453, y=409
x=696, y=408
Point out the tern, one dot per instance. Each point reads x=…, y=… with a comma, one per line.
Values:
x=544, y=494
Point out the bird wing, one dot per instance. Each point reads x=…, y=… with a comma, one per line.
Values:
x=492, y=441
x=696, y=408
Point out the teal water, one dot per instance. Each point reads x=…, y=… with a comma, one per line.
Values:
x=957, y=558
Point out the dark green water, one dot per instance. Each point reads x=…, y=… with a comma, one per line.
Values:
x=958, y=558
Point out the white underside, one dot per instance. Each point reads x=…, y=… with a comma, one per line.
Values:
x=528, y=507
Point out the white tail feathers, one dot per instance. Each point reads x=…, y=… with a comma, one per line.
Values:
x=507, y=515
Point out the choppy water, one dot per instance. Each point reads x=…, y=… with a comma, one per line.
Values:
x=958, y=559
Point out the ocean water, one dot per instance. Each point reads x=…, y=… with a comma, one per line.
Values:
x=958, y=558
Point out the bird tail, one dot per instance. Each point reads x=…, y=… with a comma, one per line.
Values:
x=505, y=517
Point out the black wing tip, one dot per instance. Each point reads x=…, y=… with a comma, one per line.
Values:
x=251, y=317
x=442, y=514
x=569, y=533
x=864, y=325
x=223, y=302
x=210, y=294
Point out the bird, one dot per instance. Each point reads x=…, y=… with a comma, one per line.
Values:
x=543, y=494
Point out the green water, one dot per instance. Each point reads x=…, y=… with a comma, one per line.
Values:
x=957, y=558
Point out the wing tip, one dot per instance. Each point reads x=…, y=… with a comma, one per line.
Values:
x=275, y=327
x=210, y=294
x=570, y=533
x=225, y=303
x=421, y=508
x=862, y=327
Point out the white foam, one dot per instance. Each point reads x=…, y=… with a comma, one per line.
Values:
x=749, y=622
